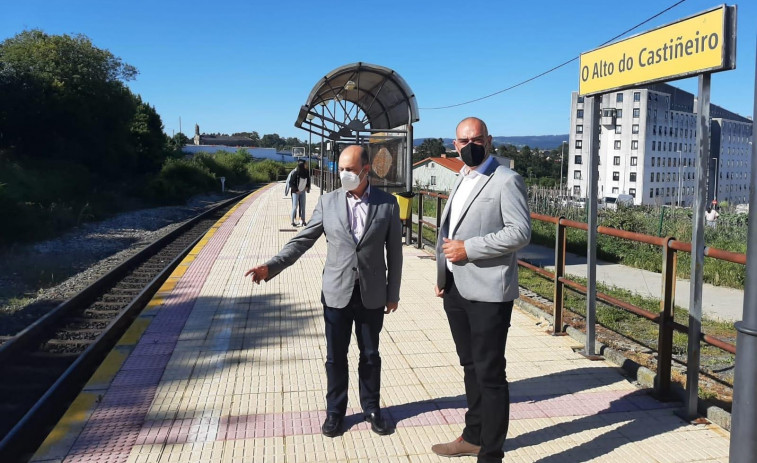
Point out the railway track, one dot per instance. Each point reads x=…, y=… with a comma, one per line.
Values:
x=43, y=367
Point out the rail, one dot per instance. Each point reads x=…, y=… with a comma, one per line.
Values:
x=664, y=319
x=33, y=417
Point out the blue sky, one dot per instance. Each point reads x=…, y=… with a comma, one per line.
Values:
x=234, y=66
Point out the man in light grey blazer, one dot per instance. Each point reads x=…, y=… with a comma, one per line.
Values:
x=361, y=277
x=484, y=223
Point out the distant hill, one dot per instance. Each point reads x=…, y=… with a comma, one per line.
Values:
x=545, y=142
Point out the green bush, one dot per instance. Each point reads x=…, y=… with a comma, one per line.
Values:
x=181, y=178
x=730, y=235
x=232, y=166
x=267, y=170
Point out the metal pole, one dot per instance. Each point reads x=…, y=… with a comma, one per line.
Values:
x=744, y=415
x=715, y=170
x=679, y=178
x=559, y=298
x=320, y=161
x=697, y=247
x=591, y=245
x=409, y=177
x=562, y=156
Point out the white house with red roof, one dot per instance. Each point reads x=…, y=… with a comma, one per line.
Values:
x=436, y=174
x=439, y=174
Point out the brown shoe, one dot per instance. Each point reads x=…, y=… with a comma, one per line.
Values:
x=457, y=448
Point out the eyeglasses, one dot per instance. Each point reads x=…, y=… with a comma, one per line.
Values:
x=479, y=140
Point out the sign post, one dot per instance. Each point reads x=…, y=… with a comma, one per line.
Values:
x=695, y=46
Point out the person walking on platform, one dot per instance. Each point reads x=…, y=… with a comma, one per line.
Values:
x=361, y=277
x=485, y=222
x=299, y=185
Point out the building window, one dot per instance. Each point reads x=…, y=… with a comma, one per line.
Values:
x=636, y=96
x=634, y=160
x=618, y=129
x=616, y=160
x=617, y=144
x=632, y=177
x=619, y=98
x=614, y=190
x=579, y=128
x=635, y=128
x=576, y=175
x=634, y=144
x=658, y=176
x=433, y=179
x=616, y=176
x=578, y=159
x=579, y=113
x=431, y=165
x=580, y=99
x=618, y=113
x=651, y=191
x=577, y=191
x=579, y=144
x=632, y=192
x=636, y=113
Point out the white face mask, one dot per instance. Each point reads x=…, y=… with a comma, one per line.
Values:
x=350, y=180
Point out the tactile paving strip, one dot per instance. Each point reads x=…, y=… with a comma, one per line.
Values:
x=113, y=429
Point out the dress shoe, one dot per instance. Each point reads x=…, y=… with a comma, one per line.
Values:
x=378, y=425
x=457, y=448
x=294, y=224
x=332, y=426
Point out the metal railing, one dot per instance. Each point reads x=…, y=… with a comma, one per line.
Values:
x=664, y=319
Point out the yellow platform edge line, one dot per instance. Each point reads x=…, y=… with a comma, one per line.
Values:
x=59, y=441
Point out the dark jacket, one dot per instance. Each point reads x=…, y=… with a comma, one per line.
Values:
x=295, y=179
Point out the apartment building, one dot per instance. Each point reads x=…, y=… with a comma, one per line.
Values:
x=648, y=148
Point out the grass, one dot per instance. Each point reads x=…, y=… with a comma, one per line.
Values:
x=641, y=330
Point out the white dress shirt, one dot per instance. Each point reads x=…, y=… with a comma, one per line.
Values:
x=470, y=178
x=357, y=211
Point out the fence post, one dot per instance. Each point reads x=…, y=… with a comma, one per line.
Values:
x=667, y=307
x=420, y=219
x=560, y=244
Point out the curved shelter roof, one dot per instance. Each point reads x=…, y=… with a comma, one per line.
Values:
x=383, y=97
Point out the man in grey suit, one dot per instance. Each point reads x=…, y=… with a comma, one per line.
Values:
x=485, y=221
x=359, y=280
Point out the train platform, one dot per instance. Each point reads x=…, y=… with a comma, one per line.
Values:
x=218, y=369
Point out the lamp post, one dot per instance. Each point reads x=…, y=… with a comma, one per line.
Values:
x=310, y=146
x=562, y=156
x=715, y=191
x=679, y=178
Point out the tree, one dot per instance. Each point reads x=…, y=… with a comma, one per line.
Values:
x=431, y=147
x=63, y=99
x=272, y=140
x=62, y=87
x=255, y=137
x=178, y=141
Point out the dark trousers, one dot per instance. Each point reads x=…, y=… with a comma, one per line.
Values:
x=479, y=330
x=368, y=324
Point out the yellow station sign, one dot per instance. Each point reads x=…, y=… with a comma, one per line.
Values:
x=705, y=42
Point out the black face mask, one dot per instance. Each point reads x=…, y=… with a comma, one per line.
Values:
x=473, y=154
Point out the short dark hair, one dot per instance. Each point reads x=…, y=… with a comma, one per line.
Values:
x=301, y=162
